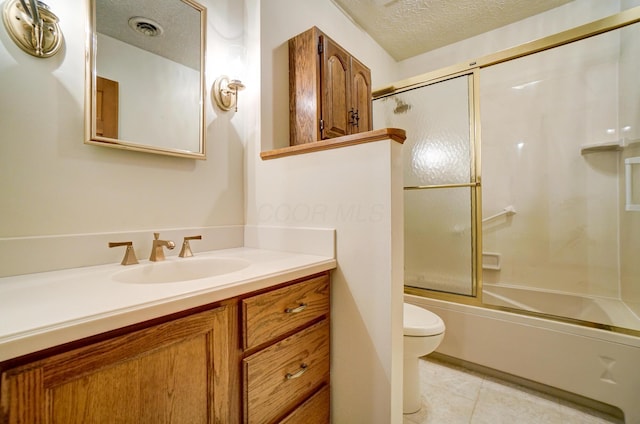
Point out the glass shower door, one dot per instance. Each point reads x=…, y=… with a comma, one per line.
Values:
x=439, y=182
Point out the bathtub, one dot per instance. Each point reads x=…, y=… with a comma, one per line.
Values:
x=608, y=311
x=593, y=363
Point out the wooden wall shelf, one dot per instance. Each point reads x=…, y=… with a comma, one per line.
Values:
x=395, y=134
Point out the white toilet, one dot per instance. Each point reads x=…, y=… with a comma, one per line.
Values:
x=423, y=332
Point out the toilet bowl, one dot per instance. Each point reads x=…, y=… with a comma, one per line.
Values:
x=423, y=332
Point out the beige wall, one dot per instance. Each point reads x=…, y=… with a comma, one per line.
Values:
x=53, y=184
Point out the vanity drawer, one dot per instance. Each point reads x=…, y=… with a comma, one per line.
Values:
x=281, y=376
x=272, y=314
x=315, y=410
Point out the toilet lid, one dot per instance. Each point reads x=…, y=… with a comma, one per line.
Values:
x=420, y=322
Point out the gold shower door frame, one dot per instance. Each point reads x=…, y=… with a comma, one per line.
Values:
x=473, y=184
x=472, y=68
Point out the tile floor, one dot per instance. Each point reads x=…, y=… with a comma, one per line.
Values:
x=455, y=395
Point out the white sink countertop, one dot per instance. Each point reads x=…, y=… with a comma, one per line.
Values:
x=38, y=311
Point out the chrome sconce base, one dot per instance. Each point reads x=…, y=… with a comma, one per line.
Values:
x=33, y=28
x=225, y=92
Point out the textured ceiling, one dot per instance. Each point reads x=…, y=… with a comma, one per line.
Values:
x=406, y=28
x=180, y=23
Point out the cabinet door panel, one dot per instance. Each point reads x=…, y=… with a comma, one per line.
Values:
x=110, y=394
x=335, y=90
x=168, y=399
x=162, y=374
x=361, y=96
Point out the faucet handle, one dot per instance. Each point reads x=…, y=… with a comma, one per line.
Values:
x=129, y=253
x=186, y=252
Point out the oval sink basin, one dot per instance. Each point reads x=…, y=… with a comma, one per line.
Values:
x=175, y=271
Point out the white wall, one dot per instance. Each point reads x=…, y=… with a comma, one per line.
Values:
x=52, y=184
x=350, y=189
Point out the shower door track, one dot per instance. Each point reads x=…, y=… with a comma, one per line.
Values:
x=428, y=187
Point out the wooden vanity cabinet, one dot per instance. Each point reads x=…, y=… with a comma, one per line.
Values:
x=258, y=358
x=176, y=372
x=329, y=90
x=286, y=363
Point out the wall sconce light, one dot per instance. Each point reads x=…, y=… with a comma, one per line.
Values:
x=33, y=27
x=225, y=92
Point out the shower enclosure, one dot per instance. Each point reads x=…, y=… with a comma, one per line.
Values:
x=548, y=220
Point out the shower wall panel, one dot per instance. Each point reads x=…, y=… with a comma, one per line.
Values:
x=537, y=113
x=629, y=91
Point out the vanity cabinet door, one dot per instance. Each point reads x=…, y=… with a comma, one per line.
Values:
x=162, y=374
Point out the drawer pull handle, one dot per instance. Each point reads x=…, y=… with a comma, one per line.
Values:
x=297, y=309
x=302, y=370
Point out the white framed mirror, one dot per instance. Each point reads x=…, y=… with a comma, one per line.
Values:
x=145, y=76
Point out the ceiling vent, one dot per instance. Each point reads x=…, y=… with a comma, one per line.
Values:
x=145, y=26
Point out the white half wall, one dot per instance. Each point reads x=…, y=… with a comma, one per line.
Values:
x=358, y=191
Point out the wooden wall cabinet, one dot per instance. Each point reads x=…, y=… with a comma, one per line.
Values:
x=329, y=90
x=264, y=363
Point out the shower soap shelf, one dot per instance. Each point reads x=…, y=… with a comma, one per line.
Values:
x=607, y=146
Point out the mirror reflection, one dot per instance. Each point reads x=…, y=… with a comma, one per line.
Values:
x=146, y=76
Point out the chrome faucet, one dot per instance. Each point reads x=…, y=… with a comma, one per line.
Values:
x=157, y=248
